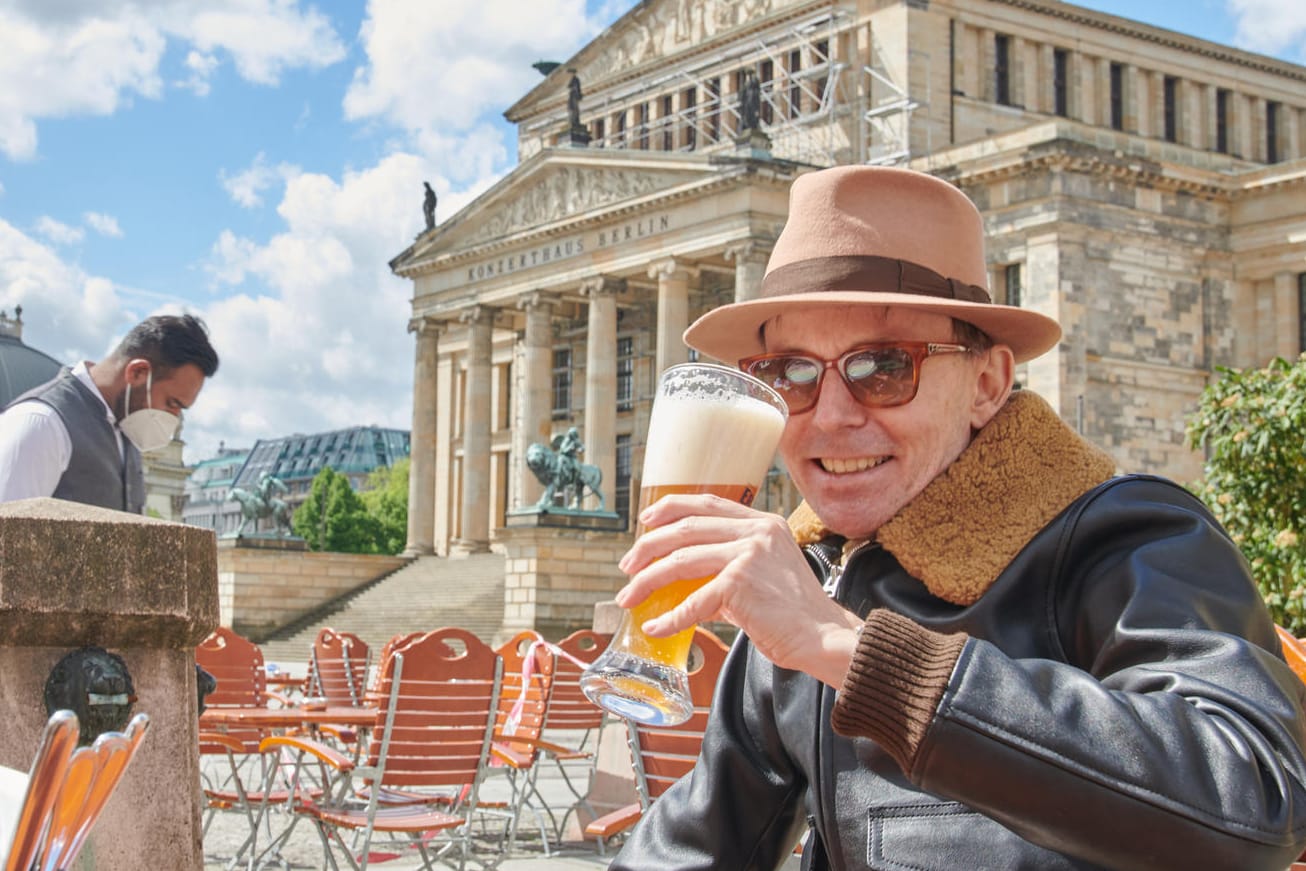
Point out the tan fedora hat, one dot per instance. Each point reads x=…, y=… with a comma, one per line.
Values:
x=866, y=235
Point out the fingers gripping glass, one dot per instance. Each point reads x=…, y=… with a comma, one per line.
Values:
x=878, y=376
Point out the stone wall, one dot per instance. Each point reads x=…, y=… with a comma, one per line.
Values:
x=554, y=577
x=263, y=589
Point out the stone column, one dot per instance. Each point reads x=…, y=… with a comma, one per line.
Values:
x=475, y=537
x=673, y=311
x=421, y=479
x=533, y=401
x=750, y=258
x=601, y=381
x=1291, y=125
x=1286, y=317
x=146, y=590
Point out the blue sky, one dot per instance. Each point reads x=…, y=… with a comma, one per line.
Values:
x=258, y=162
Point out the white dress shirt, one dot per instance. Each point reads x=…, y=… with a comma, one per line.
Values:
x=35, y=447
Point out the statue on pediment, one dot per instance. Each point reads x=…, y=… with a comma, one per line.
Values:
x=428, y=206
x=750, y=103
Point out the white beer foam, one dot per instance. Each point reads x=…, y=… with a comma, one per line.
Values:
x=706, y=439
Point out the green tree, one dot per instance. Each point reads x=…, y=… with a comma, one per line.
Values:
x=1252, y=425
x=386, y=498
x=334, y=518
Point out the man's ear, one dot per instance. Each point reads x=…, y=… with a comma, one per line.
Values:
x=995, y=374
x=136, y=371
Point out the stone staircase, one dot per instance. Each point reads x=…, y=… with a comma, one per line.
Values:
x=425, y=594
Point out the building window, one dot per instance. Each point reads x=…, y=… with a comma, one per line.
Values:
x=1301, y=312
x=795, y=91
x=765, y=73
x=714, y=109
x=668, y=125
x=619, y=129
x=625, y=373
x=597, y=132
x=822, y=58
x=1271, y=132
x=561, y=382
x=1171, y=100
x=1118, y=96
x=1222, y=97
x=621, y=487
x=1011, y=284
x=1061, y=82
x=641, y=113
x=1002, y=69
x=688, y=102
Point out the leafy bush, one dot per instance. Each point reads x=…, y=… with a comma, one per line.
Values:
x=1252, y=425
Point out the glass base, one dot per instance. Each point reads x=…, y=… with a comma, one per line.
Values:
x=637, y=689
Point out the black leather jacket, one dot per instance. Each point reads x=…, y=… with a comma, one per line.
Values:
x=1121, y=702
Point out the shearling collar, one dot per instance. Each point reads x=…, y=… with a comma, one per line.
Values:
x=1018, y=473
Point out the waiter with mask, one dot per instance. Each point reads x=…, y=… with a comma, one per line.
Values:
x=80, y=436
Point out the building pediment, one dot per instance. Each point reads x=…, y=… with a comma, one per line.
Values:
x=553, y=189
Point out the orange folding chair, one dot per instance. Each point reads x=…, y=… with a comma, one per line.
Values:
x=528, y=665
x=67, y=790
x=426, y=758
x=661, y=756
x=572, y=722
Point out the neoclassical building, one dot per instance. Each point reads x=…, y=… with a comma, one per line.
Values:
x=1145, y=188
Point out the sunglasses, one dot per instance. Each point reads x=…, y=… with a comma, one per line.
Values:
x=878, y=376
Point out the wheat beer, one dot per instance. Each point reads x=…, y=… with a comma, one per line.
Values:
x=712, y=430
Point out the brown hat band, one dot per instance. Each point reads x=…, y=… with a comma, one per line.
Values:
x=866, y=272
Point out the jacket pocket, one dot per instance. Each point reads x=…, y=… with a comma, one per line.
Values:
x=948, y=835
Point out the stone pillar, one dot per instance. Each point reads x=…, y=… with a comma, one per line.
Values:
x=1286, y=318
x=1084, y=89
x=601, y=381
x=533, y=400
x=1290, y=124
x=673, y=311
x=144, y=589
x=750, y=258
x=475, y=537
x=421, y=480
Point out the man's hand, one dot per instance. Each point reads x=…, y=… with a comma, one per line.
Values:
x=761, y=583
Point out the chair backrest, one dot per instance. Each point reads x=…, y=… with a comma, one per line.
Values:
x=67, y=790
x=338, y=664
x=436, y=720
x=663, y=755
x=569, y=708
x=527, y=683
x=237, y=663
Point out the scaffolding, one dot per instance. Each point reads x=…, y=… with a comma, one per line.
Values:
x=808, y=101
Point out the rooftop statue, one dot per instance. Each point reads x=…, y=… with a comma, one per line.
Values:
x=262, y=502
x=560, y=470
x=428, y=205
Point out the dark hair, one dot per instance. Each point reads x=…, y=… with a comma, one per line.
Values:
x=971, y=336
x=168, y=342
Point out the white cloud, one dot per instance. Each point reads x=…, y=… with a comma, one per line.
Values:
x=81, y=58
x=59, y=232
x=105, y=225
x=201, y=67
x=439, y=68
x=1270, y=26
x=246, y=187
x=67, y=313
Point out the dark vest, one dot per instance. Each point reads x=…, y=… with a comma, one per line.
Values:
x=97, y=474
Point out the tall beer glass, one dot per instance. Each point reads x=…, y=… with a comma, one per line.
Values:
x=712, y=430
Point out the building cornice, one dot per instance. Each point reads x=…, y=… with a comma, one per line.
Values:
x=1159, y=36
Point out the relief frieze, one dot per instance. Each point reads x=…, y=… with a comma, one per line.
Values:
x=572, y=246
x=565, y=192
x=662, y=29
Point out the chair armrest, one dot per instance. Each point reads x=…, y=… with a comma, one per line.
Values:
x=614, y=822
x=540, y=744
x=284, y=701
x=223, y=740
x=329, y=755
x=508, y=756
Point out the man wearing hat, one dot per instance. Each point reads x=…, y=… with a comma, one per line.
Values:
x=1008, y=657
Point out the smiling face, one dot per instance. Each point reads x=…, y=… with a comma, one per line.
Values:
x=858, y=466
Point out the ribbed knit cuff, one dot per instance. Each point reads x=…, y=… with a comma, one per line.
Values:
x=893, y=686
